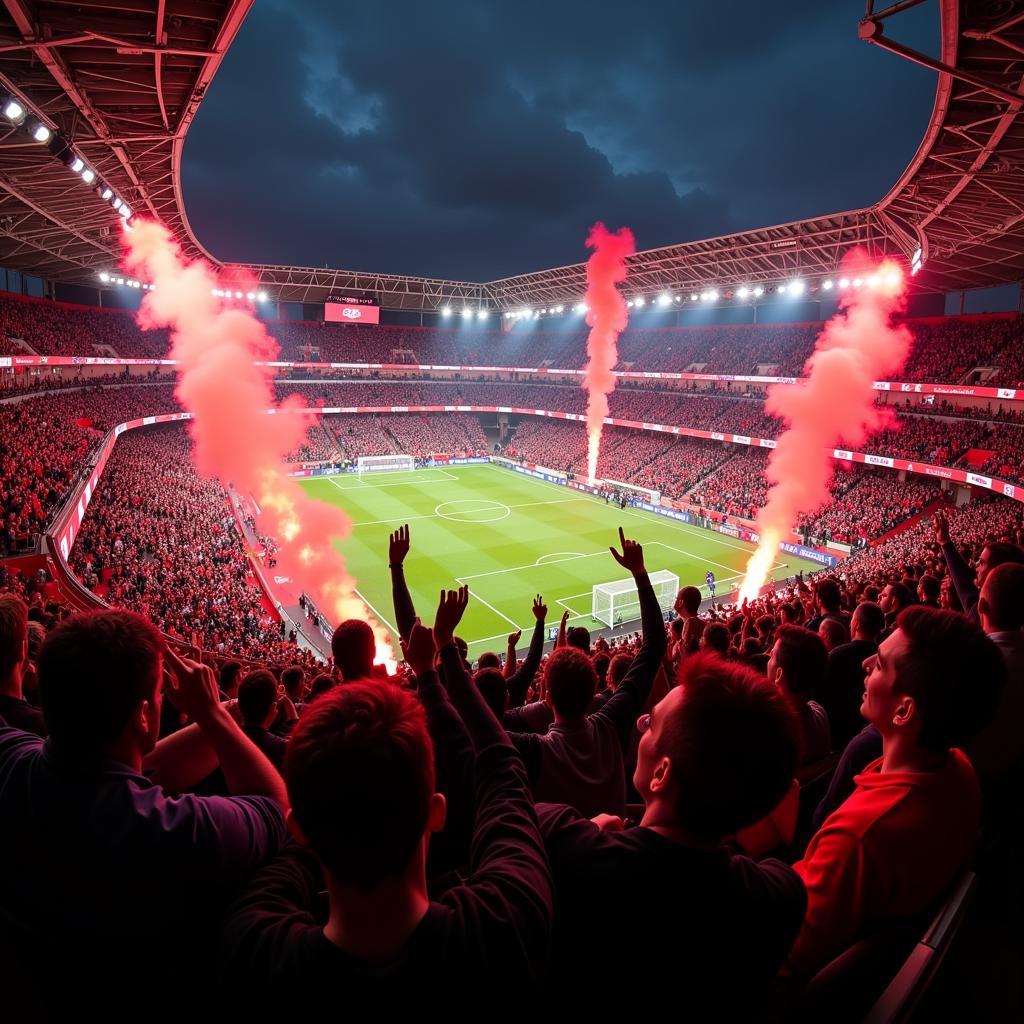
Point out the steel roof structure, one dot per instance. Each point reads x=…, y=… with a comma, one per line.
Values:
x=122, y=80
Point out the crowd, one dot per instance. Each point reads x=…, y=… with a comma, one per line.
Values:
x=945, y=349
x=159, y=540
x=730, y=801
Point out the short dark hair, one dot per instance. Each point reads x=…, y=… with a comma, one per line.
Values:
x=1004, y=596
x=717, y=637
x=733, y=744
x=571, y=682
x=229, y=673
x=488, y=660
x=353, y=647
x=929, y=587
x=360, y=775
x=94, y=670
x=871, y=618
x=828, y=593
x=803, y=658
x=1000, y=552
x=902, y=593
x=618, y=667
x=292, y=679
x=493, y=688
x=689, y=598
x=13, y=632
x=320, y=683
x=579, y=637
x=954, y=673
x=256, y=695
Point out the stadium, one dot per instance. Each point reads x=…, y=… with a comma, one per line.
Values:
x=786, y=520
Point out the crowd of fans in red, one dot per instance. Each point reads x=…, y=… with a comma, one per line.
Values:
x=944, y=350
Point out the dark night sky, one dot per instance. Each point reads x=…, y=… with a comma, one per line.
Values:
x=477, y=140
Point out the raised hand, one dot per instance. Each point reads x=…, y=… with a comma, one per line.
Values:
x=193, y=685
x=632, y=557
x=540, y=609
x=398, y=545
x=513, y=638
x=941, y=527
x=450, y=608
x=420, y=649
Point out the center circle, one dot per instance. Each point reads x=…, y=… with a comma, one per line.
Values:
x=478, y=511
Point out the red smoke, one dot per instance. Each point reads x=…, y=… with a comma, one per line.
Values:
x=837, y=403
x=607, y=318
x=229, y=397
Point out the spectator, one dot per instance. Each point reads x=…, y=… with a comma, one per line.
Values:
x=843, y=691
x=580, y=760
x=353, y=646
x=104, y=873
x=717, y=753
x=797, y=667
x=257, y=703
x=15, y=711
x=360, y=774
x=893, y=848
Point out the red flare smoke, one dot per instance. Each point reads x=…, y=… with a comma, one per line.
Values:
x=837, y=403
x=229, y=397
x=607, y=317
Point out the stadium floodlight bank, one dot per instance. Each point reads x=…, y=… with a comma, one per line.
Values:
x=384, y=463
x=617, y=602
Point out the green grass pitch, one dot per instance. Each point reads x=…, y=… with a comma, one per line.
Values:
x=510, y=536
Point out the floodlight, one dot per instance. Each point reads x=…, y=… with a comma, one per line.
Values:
x=640, y=301
x=664, y=299
x=104, y=276
x=742, y=292
x=238, y=295
x=892, y=279
x=844, y=282
x=250, y=296
x=117, y=204
x=874, y=281
x=559, y=309
x=446, y=311
x=827, y=285
x=78, y=165
x=857, y=282
x=88, y=175
x=796, y=287
x=758, y=290
x=261, y=296
x=482, y=314
x=41, y=133
x=629, y=303
x=13, y=110
x=713, y=295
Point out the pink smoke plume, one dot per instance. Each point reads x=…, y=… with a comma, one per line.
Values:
x=858, y=345
x=607, y=317
x=229, y=396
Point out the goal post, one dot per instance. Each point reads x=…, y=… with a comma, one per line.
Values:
x=617, y=602
x=384, y=463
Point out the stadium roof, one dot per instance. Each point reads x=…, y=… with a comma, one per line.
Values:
x=123, y=84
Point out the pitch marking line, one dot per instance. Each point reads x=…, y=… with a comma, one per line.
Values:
x=532, y=565
x=487, y=604
x=502, y=509
x=553, y=554
x=361, y=483
x=391, y=626
x=409, y=519
x=685, y=528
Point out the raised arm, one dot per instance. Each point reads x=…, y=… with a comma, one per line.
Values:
x=959, y=571
x=405, y=611
x=625, y=703
x=510, y=653
x=520, y=680
x=246, y=770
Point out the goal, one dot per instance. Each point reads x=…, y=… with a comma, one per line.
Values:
x=382, y=463
x=618, y=602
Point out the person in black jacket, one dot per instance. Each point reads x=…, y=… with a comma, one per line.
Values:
x=360, y=777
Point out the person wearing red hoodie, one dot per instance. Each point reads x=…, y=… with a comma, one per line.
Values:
x=893, y=848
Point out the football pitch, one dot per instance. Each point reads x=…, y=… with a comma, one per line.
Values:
x=509, y=537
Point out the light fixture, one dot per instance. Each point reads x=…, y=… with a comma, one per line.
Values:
x=104, y=276
x=482, y=314
x=694, y=297
x=827, y=285
x=446, y=311
x=262, y=296
x=664, y=299
x=857, y=282
x=742, y=292
x=466, y=312
x=796, y=287
x=640, y=301
x=41, y=133
x=758, y=290
x=88, y=175
x=844, y=282
x=238, y=295
x=77, y=165
x=13, y=110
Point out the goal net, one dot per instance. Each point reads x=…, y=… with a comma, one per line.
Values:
x=382, y=463
x=618, y=602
